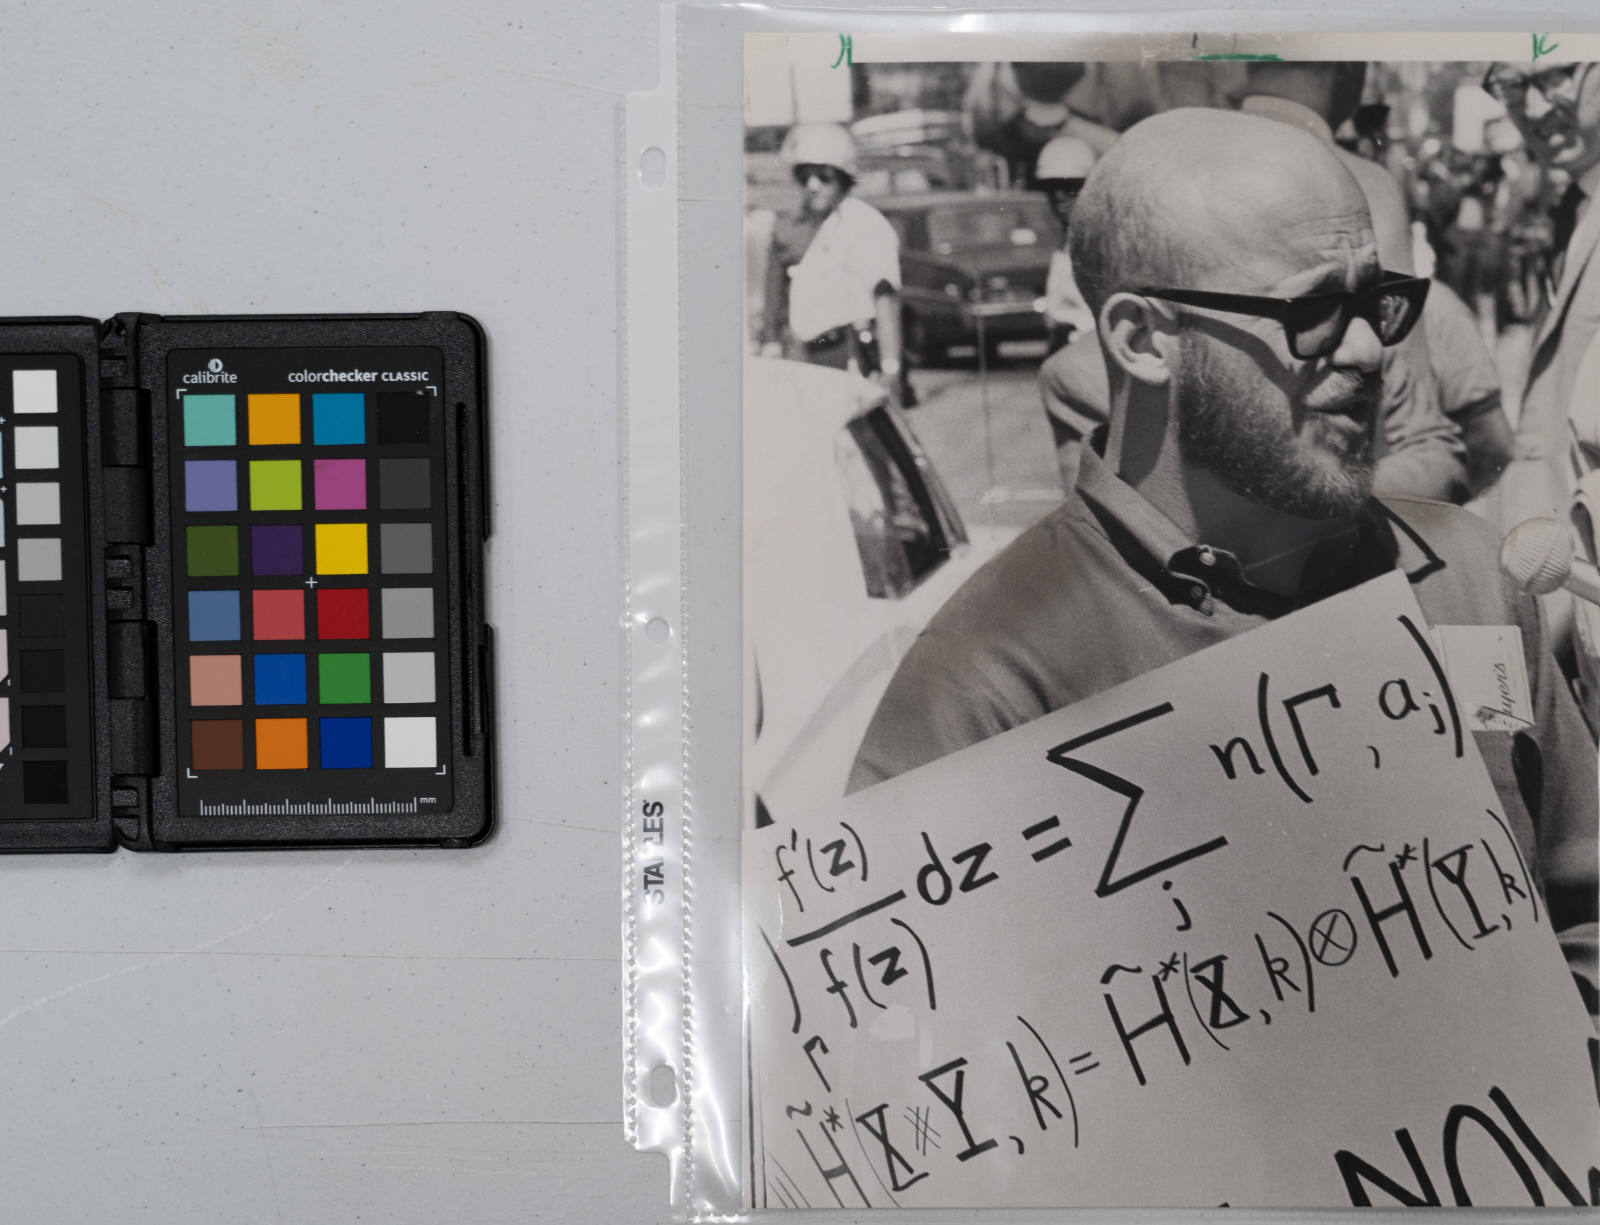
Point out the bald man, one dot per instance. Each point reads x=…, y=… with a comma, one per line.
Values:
x=1076, y=396
x=1237, y=480
x=1423, y=448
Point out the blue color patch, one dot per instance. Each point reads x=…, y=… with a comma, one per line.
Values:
x=346, y=744
x=213, y=616
x=338, y=419
x=280, y=680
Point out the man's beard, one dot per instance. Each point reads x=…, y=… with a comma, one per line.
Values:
x=1226, y=430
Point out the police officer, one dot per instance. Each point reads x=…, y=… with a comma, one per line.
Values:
x=1063, y=165
x=833, y=271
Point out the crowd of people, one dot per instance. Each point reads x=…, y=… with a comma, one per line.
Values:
x=1257, y=402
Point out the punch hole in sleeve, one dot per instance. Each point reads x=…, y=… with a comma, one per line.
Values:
x=663, y=1086
x=652, y=168
x=657, y=630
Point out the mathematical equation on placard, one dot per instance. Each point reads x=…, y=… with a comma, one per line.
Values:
x=1393, y=907
x=1130, y=902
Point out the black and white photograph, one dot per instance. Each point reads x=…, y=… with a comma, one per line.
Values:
x=1171, y=620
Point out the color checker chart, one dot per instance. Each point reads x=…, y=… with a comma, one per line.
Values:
x=310, y=578
x=46, y=711
x=241, y=583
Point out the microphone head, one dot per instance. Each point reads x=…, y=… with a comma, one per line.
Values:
x=1537, y=554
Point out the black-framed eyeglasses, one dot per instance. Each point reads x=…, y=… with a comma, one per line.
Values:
x=1063, y=187
x=830, y=176
x=1316, y=323
x=1511, y=88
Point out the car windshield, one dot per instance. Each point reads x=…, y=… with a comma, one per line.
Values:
x=1015, y=224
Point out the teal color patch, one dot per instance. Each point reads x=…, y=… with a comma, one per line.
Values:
x=209, y=421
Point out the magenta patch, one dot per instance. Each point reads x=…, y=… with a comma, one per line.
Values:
x=341, y=484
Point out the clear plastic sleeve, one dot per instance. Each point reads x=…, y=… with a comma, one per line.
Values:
x=692, y=936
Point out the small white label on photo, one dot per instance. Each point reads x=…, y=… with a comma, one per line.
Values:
x=1486, y=670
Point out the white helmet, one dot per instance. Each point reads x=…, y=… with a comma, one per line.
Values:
x=1065, y=157
x=820, y=144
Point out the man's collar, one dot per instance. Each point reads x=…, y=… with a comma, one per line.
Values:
x=1285, y=111
x=1195, y=573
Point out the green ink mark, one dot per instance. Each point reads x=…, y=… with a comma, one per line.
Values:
x=1243, y=55
x=846, y=51
x=1541, y=47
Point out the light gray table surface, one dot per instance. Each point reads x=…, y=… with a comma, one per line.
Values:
x=410, y=1036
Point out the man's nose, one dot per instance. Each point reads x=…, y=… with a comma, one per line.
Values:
x=1535, y=104
x=1360, y=349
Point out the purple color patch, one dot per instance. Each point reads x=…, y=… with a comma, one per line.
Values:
x=341, y=484
x=277, y=549
x=210, y=485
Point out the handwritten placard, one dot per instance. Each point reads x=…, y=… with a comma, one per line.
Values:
x=1251, y=929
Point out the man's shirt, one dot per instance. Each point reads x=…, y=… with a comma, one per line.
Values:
x=1106, y=588
x=1469, y=383
x=833, y=269
x=1557, y=405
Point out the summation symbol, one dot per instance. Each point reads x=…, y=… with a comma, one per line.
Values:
x=1041, y=828
x=925, y=1132
x=1115, y=875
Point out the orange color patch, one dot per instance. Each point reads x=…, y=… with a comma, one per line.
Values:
x=275, y=420
x=281, y=744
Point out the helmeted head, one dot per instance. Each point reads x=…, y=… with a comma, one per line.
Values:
x=822, y=158
x=1556, y=108
x=1063, y=165
x=1223, y=202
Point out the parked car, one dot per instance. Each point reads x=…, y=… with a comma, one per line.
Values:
x=913, y=152
x=905, y=172
x=851, y=543
x=973, y=268
x=910, y=126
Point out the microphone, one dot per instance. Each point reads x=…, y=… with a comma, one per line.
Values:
x=1538, y=556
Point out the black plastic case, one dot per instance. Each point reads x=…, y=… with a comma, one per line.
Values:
x=123, y=674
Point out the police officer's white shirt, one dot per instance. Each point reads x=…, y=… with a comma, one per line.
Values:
x=854, y=250
x=1063, y=301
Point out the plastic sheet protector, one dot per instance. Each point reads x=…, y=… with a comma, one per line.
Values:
x=1086, y=747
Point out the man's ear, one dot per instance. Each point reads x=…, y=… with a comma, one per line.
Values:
x=1140, y=337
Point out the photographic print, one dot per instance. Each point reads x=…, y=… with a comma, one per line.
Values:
x=1170, y=620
